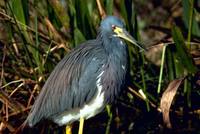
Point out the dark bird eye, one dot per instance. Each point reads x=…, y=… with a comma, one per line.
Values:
x=113, y=27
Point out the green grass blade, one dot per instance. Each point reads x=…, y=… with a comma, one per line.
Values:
x=190, y=23
x=170, y=63
x=18, y=11
x=182, y=51
x=161, y=69
x=60, y=13
x=109, y=7
x=189, y=18
x=36, y=54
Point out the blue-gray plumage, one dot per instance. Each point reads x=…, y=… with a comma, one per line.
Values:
x=86, y=79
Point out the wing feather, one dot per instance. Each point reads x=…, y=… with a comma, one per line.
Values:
x=71, y=84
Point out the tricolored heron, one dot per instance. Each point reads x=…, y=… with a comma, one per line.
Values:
x=86, y=79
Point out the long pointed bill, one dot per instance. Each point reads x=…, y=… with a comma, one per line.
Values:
x=122, y=33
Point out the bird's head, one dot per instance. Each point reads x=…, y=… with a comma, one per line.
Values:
x=112, y=26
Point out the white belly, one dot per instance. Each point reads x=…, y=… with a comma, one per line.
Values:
x=88, y=110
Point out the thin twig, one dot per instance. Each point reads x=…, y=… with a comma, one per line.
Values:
x=34, y=90
x=32, y=94
x=4, y=125
x=12, y=82
x=18, y=112
x=101, y=10
x=140, y=96
x=2, y=65
x=11, y=103
x=15, y=90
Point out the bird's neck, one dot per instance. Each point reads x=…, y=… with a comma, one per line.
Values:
x=116, y=66
x=114, y=46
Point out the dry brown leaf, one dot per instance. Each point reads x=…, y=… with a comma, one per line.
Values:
x=167, y=98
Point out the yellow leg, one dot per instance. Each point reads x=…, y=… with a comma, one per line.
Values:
x=80, y=131
x=68, y=129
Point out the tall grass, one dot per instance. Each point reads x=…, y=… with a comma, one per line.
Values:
x=39, y=34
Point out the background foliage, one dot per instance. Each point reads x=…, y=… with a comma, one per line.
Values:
x=35, y=35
